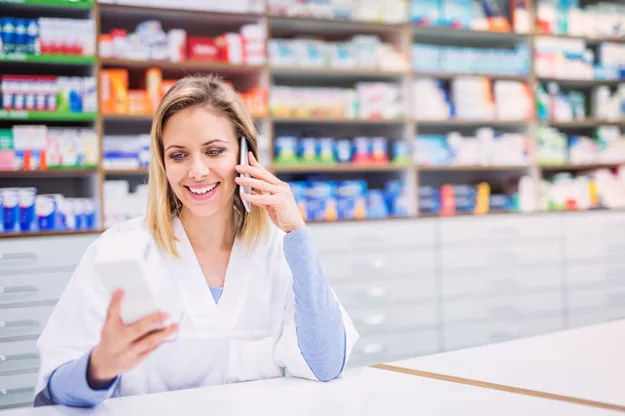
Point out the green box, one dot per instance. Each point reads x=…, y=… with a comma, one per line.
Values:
x=6, y=140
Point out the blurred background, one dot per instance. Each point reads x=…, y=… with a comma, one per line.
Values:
x=460, y=162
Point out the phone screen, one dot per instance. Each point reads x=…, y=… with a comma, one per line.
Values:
x=245, y=161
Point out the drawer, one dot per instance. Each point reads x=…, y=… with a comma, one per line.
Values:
x=377, y=265
x=594, y=224
x=594, y=297
x=510, y=227
x=394, y=318
x=593, y=249
x=502, y=307
x=382, y=348
x=375, y=235
x=475, y=335
x=579, y=319
x=18, y=356
x=29, y=321
x=598, y=273
x=463, y=257
x=495, y=282
x=17, y=389
x=361, y=294
x=35, y=253
x=32, y=287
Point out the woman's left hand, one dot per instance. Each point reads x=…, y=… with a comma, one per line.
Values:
x=272, y=194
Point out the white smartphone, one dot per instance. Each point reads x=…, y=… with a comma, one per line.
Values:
x=244, y=160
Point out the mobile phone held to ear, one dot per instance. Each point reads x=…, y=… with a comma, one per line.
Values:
x=244, y=161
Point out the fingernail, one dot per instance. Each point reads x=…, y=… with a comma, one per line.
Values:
x=164, y=316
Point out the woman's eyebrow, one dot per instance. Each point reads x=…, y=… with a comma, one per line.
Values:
x=177, y=146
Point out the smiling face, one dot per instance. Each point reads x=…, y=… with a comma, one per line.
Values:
x=200, y=154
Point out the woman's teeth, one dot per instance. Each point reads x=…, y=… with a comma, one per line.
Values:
x=202, y=191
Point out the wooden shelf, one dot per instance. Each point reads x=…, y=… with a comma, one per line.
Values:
x=452, y=75
x=329, y=25
x=126, y=172
x=50, y=233
x=52, y=173
x=336, y=72
x=51, y=3
x=355, y=121
x=177, y=13
x=588, y=39
x=447, y=32
x=582, y=123
x=369, y=167
x=469, y=168
x=581, y=82
x=186, y=66
x=127, y=117
x=471, y=123
x=589, y=166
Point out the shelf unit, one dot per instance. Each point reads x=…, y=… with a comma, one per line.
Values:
x=404, y=128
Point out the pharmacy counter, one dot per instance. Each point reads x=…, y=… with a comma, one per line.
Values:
x=586, y=364
x=364, y=391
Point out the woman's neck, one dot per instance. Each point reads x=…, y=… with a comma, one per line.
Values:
x=216, y=232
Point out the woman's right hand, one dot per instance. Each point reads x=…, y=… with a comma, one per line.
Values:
x=122, y=347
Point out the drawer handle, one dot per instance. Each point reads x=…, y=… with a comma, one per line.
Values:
x=503, y=230
x=18, y=289
x=503, y=284
x=616, y=297
x=505, y=310
x=503, y=256
x=373, y=348
x=379, y=263
x=18, y=256
x=17, y=357
x=19, y=324
x=378, y=319
x=376, y=292
x=19, y=390
x=617, y=272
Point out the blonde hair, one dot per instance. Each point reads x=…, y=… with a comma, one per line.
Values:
x=163, y=204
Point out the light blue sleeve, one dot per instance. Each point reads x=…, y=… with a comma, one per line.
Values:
x=69, y=386
x=318, y=321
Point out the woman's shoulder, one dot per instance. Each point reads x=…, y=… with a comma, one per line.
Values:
x=135, y=225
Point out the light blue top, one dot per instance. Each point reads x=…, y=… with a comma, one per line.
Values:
x=318, y=322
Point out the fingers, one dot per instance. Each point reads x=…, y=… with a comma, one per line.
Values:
x=146, y=325
x=260, y=200
x=258, y=171
x=258, y=185
x=153, y=340
x=114, y=309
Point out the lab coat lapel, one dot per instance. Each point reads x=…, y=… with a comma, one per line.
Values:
x=187, y=273
x=236, y=284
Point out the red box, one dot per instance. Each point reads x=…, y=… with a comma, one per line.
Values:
x=202, y=49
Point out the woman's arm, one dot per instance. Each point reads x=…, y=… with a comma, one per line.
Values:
x=318, y=321
x=69, y=385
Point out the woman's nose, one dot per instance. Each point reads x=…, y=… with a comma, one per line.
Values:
x=198, y=169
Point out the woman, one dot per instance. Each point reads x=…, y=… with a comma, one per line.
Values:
x=257, y=302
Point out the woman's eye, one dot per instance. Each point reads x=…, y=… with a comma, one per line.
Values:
x=176, y=156
x=214, y=152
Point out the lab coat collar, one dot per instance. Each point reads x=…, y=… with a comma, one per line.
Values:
x=201, y=306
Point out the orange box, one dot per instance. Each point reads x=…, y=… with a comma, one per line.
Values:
x=114, y=91
x=138, y=102
x=153, y=82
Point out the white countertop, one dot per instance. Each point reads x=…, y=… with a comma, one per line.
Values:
x=360, y=392
x=586, y=363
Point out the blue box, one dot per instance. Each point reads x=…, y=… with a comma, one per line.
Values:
x=376, y=205
x=351, y=200
x=321, y=201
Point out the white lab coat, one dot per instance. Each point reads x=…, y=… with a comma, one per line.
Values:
x=248, y=335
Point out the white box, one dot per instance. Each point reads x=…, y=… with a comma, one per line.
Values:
x=130, y=261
